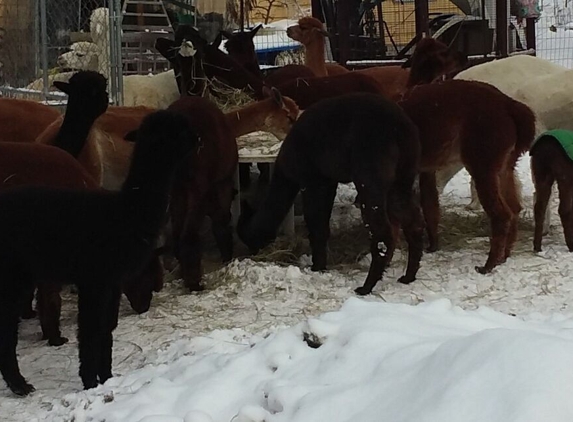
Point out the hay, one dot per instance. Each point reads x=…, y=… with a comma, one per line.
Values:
x=226, y=97
x=345, y=248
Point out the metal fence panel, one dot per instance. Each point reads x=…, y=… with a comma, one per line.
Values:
x=47, y=40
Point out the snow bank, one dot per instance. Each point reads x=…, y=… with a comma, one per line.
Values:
x=428, y=363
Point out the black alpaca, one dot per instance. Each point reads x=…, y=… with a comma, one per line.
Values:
x=91, y=239
x=361, y=138
x=87, y=100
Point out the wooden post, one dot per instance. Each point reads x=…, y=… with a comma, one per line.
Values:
x=316, y=10
x=530, y=33
x=501, y=27
x=422, y=18
x=343, y=26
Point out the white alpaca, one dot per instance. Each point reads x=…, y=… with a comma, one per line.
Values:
x=156, y=91
x=83, y=55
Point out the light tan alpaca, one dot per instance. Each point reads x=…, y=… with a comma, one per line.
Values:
x=311, y=33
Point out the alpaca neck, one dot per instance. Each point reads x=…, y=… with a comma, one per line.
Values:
x=248, y=119
x=314, y=57
x=74, y=130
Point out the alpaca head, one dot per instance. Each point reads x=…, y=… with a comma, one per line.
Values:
x=283, y=114
x=99, y=24
x=87, y=94
x=83, y=55
x=164, y=139
x=139, y=290
x=431, y=60
x=307, y=31
x=241, y=43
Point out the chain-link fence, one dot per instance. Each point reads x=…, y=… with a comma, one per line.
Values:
x=48, y=40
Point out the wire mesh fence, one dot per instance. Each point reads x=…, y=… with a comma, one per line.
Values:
x=48, y=40
x=554, y=31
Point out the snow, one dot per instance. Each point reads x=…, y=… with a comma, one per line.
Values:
x=452, y=346
x=443, y=348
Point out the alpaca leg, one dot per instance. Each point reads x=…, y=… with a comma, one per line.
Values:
x=474, y=202
x=382, y=241
x=543, y=183
x=265, y=173
x=220, y=213
x=11, y=292
x=110, y=318
x=431, y=206
x=512, y=198
x=91, y=300
x=244, y=175
x=566, y=210
x=190, y=248
x=445, y=174
x=412, y=223
x=318, y=199
x=28, y=311
x=49, y=309
x=489, y=192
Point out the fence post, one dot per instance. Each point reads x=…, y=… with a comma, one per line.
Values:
x=343, y=25
x=421, y=12
x=501, y=27
x=116, y=74
x=44, y=44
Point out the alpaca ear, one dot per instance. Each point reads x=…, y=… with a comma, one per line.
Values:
x=131, y=136
x=218, y=40
x=408, y=63
x=322, y=32
x=63, y=86
x=166, y=48
x=267, y=93
x=277, y=97
x=226, y=34
x=255, y=30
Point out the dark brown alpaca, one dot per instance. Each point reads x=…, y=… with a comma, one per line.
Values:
x=550, y=163
x=474, y=124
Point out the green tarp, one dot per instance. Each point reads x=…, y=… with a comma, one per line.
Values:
x=564, y=137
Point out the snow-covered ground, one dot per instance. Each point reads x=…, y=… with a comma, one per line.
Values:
x=444, y=348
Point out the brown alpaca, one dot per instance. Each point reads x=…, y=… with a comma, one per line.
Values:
x=106, y=155
x=435, y=59
x=311, y=33
x=24, y=120
x=208, y=189
x=550, y=163
x=431, y=61
x=474, y=124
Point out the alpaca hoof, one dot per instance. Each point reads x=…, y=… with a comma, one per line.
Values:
x=58, y=341
x=482, y=270
x=195, y=287
x=432, y=248
x=406, y=279
x=473, y=206
x=29, y=314
x=103, y=378
x=318, y=267
x=89, y=384
x=21, y=388
x=538, y=249
x=362, y=291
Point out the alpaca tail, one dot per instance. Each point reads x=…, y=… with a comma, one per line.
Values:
x=257, y=229
x=524, y=120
